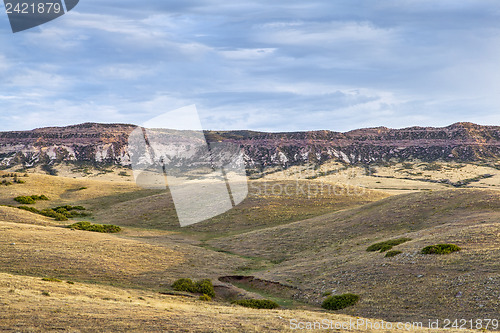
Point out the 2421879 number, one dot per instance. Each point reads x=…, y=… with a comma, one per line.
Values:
x=40, y=8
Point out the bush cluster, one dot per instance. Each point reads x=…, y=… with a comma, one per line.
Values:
x=204, y=286
x=205, y=298
x=257, y=303
x=440, y=249
x=30, y=199
x=387, y=245
x=104, y=228
x=392, y=253
x=60, y=213
x=338, y=302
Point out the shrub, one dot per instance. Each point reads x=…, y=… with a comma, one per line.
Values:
x=104, y=228
x=257, y=303
x=184, y=285
x=26, y=200
x=392, y=253
x=205, y=298
x=49, y=279
x=29, y=209
x=387, y=245
x=30, y=199
x=205, y=286
x=440, y=249
x=338, y=302
x=60, y=213
x=45, y=293
x=52, y=213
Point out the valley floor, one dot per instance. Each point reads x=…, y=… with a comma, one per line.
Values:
x=299, y=247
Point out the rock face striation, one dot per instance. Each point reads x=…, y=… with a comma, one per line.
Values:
x=108, y=144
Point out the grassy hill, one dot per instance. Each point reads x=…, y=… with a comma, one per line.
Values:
x=328, y=254
x=315, y=243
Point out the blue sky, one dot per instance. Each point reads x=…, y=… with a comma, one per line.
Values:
x=261, y=65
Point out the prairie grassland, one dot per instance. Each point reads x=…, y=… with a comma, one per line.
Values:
x=328, y=254
x=28, y=304
x=313, y=240
x=396, y=177
x=104, y=258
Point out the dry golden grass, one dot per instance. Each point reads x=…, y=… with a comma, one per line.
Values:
x=104, y=258
x=62, y=190
x=265, y=206
x=396, y=177
x=315, y=242
x=329, y=253
x=11, y=214
x=91, y=308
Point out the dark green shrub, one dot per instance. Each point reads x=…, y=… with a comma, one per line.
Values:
x=26, y=200
x=60, y=213
x=338, y=302
x=440, y=249
x=51, y=279
x=205, y=298
x=104, y=228
x=52, y=213
x=184, y=285
x=205, y=286
x=392, y=253
x=29, y=209
x=45, y=293
x=30, y=199
x=257, y=303
x=387, y=245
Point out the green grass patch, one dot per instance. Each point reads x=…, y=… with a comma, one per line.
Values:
x=392, y=253
x=338, y=302
x=104, y=228
x=257, y=303
x=440, y=249
x=387, y=245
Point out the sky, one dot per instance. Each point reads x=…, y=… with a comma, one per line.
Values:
x=260, y=65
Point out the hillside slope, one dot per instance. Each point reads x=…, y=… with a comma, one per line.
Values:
x=328, y=253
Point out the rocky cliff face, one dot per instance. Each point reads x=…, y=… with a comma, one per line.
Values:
x=108, y=143
x=95, y=143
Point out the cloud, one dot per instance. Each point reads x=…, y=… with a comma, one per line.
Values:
x=258, y=65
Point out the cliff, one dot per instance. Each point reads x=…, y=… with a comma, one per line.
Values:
x=108, y=144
